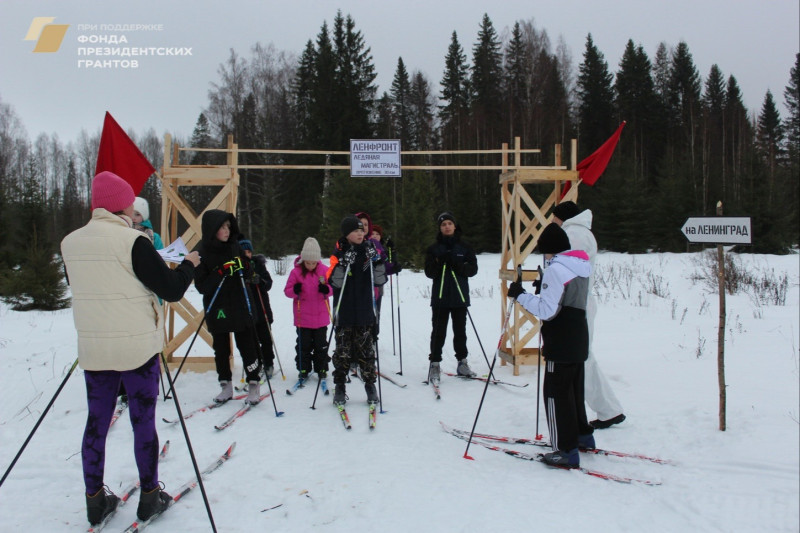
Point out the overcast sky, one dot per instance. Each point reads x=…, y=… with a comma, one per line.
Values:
x=754, y=40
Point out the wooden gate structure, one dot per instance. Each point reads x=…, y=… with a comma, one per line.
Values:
x=523, y=220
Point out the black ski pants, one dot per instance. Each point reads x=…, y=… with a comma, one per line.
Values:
x=562, y=394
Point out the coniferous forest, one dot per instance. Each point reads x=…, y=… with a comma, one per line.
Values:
x=689, y=142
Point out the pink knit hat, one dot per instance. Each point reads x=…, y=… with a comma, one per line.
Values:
x=111, y=192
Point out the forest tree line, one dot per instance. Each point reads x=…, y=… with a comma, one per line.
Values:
x=689, y=142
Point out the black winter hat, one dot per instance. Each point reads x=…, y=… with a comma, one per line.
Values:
x=349, y=224
x=447, y=215
x=566, y=210
x=553, y=240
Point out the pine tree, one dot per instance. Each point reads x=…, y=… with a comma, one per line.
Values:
x=517, y=74
x=400, y=93
x=638, y=105
x=35, y=280
x=684, y=105
x=792, y=124
x=454, y=113
x=422, y=119
x=713, y=103
x=791, y=95
x=738, y=139
x=769, y=141
x=596, y=99
x=487, y=83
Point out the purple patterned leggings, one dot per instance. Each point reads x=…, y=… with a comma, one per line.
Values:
x=102, y=387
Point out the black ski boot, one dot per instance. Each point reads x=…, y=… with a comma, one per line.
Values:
x=372, y=393
x=152, y=503
x=99, y=506
x=339, y=397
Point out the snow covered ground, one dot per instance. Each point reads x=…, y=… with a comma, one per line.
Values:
x=660, y=353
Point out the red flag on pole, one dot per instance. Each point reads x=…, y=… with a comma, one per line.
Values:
x=118, y=154
x=591, y=168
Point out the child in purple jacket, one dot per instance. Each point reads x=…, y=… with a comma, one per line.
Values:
x=308, y=287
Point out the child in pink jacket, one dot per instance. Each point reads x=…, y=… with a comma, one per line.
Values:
x=309, y=289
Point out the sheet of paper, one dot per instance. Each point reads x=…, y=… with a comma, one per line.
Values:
x=175, y=252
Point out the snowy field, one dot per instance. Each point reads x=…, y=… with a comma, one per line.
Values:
x=304, y=472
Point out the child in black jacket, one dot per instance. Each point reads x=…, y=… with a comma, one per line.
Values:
x=221, y=278
x=354, y=304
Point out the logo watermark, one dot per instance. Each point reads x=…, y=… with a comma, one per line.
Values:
x=103, y=46
x=48, y=36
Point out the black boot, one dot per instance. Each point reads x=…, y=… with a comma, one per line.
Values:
x=100, y=505
x=152, y=503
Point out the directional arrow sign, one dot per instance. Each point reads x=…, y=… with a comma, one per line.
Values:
x=718, y=230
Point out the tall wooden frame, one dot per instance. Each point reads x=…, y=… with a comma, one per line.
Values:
x=523, y=221
x=173, y=207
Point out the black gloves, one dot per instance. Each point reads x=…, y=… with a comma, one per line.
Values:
x=537, y=284
x=298, y=287
x=397, y=268
x=348, y=258
x=324, y=289
x=515, y=289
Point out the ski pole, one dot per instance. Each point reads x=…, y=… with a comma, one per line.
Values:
x=391, y=305
x=455, y=279
x=399, y=327
x=38, y=422
x=491, y=367
x=374, y=339
x=189, y=445
x=205, y=314
x=539, y=367
x=255, y=337
x=333, y=326
x=271, y=336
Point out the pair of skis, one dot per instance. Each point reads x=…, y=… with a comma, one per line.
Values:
x=301, y=383
x=482, y=438
x=187, y=487
x=373, y=415
x=126, y=494
x=485, y=379
x=214, y=405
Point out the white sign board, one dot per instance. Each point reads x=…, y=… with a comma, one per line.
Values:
x=718, y=230
x=375, y=157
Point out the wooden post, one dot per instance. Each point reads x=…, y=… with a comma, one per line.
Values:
x=721, y=332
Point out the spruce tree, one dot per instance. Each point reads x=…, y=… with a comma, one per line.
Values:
x=517, y=74
x=400, y=93
x=596, y=99
x=454, y=112
x=487, y=83
x=422, y=119
x=792, y=124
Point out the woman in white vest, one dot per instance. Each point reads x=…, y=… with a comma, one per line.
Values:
x=116, y=278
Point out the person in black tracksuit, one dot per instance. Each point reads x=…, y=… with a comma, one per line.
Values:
x=223, y=258
x=449, y=262
x=261, y=282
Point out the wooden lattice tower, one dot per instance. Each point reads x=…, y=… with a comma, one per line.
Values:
x=174, y=207
x=523, y=221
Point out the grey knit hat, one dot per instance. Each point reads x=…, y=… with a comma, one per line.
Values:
x=310, y=250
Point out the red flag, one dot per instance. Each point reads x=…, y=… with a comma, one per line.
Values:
x=591, y=168
x=118, y=154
